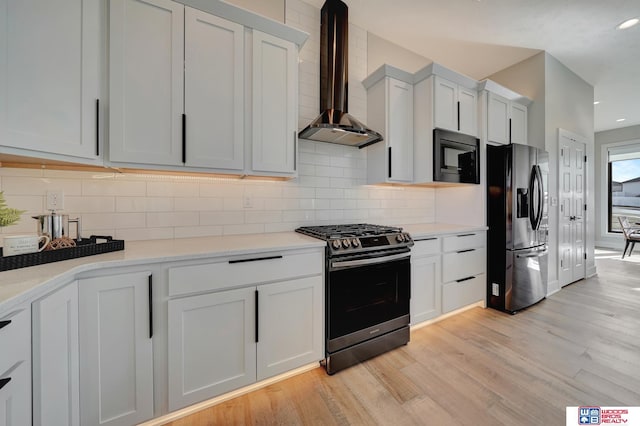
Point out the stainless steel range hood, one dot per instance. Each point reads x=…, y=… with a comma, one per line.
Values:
x=334, y=124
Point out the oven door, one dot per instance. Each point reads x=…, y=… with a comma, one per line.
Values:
x=367, y=297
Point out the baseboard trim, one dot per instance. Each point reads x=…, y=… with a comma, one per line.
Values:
x=591, y=272
x=183, y=412
x=553, y=287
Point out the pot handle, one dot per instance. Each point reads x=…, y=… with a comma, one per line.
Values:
x=78, y=223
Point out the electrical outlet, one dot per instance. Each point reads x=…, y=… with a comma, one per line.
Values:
x=55, y=200
x=495, y=289
x=247, y=202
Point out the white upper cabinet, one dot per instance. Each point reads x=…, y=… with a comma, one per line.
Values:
x=518, y=123
x=193, y=89
x=506, y=114
x=146, y=81
x=390, y=111
x=50, y=78
x=214, y=91
x=455, y=107
x=275, y=112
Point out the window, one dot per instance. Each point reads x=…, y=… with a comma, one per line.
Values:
x=623, y=183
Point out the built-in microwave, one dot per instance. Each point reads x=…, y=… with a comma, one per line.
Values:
x=456, y=157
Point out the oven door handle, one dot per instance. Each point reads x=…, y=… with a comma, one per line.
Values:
x=372, y=261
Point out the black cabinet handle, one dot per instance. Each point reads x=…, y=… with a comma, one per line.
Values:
x=150, y=306
x=184, y=138
x=389, y=162
x=256, y=319
x=255, y=259
x=464, y=279
x=465, y=251
x=295, y=152
x=427, y=239
x=97, y=127
x=465, y=235
x=4, y=323
x=4, y=381
x=458, y=115
x=509, y=130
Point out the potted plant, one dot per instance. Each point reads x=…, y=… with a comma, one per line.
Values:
x=8, y=216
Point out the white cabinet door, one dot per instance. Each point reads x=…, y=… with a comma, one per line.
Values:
x=214, y=91
x=468, y=111
x=56, y=369
x=457, y=294
x=146, y=81
x=455, y=107
x=116, y=360
x=49, y=75
x=426, y=287
x=211, y=345
x=445, y=104
x=400, y=130
x=498, y=119
x=290, y=330
x=15, y=395
x=518, y=124
x=15, y=368
x=274, y=97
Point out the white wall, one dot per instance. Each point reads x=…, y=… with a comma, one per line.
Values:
x=602, y=139
x=561, y=100
x=330, y=187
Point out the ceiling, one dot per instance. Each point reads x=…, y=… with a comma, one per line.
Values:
x=481, y=37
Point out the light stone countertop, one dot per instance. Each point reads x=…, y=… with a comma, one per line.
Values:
x=422, y=230
x=20, y=285
x=25, y=284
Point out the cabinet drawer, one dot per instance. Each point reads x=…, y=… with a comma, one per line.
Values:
x=15, y=338
x=247, y=270
x=426, y=246
x=463, y=264
x=461, y=293
x=463, y=241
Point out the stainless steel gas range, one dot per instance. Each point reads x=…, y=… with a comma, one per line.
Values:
x=367, y=291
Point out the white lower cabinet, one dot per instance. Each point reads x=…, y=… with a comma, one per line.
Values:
x=116, y=360
x=425, y=280
x=225, y=340
x=56, y=369
x=212, y=341
x=235, y=321
x=463, y=270
x=15, y=368
x=289, y=325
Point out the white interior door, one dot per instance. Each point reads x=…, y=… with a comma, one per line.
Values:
x=571, y=241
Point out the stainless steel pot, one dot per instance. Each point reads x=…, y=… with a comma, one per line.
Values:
x=57, y=225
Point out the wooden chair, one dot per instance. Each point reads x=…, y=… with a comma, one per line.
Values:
x=631, y=235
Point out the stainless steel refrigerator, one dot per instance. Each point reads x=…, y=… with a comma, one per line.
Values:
x=517, y=217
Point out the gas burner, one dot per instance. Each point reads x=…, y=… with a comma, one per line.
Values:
x=358, y=238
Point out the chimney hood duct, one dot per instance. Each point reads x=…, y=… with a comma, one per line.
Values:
x=333, y=124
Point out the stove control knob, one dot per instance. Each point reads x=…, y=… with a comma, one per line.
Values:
x=399, y=238
x=335, y=244
x=346, y=243
x=355, y=242
x=407, y=237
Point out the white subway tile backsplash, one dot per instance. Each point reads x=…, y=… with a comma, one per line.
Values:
x=330, y=187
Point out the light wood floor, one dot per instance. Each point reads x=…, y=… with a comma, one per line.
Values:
x=581, y=346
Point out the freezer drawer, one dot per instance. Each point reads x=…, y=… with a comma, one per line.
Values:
x=527, y=281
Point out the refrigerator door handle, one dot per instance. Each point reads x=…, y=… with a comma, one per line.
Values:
x=535, y=217
x=538, y=254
